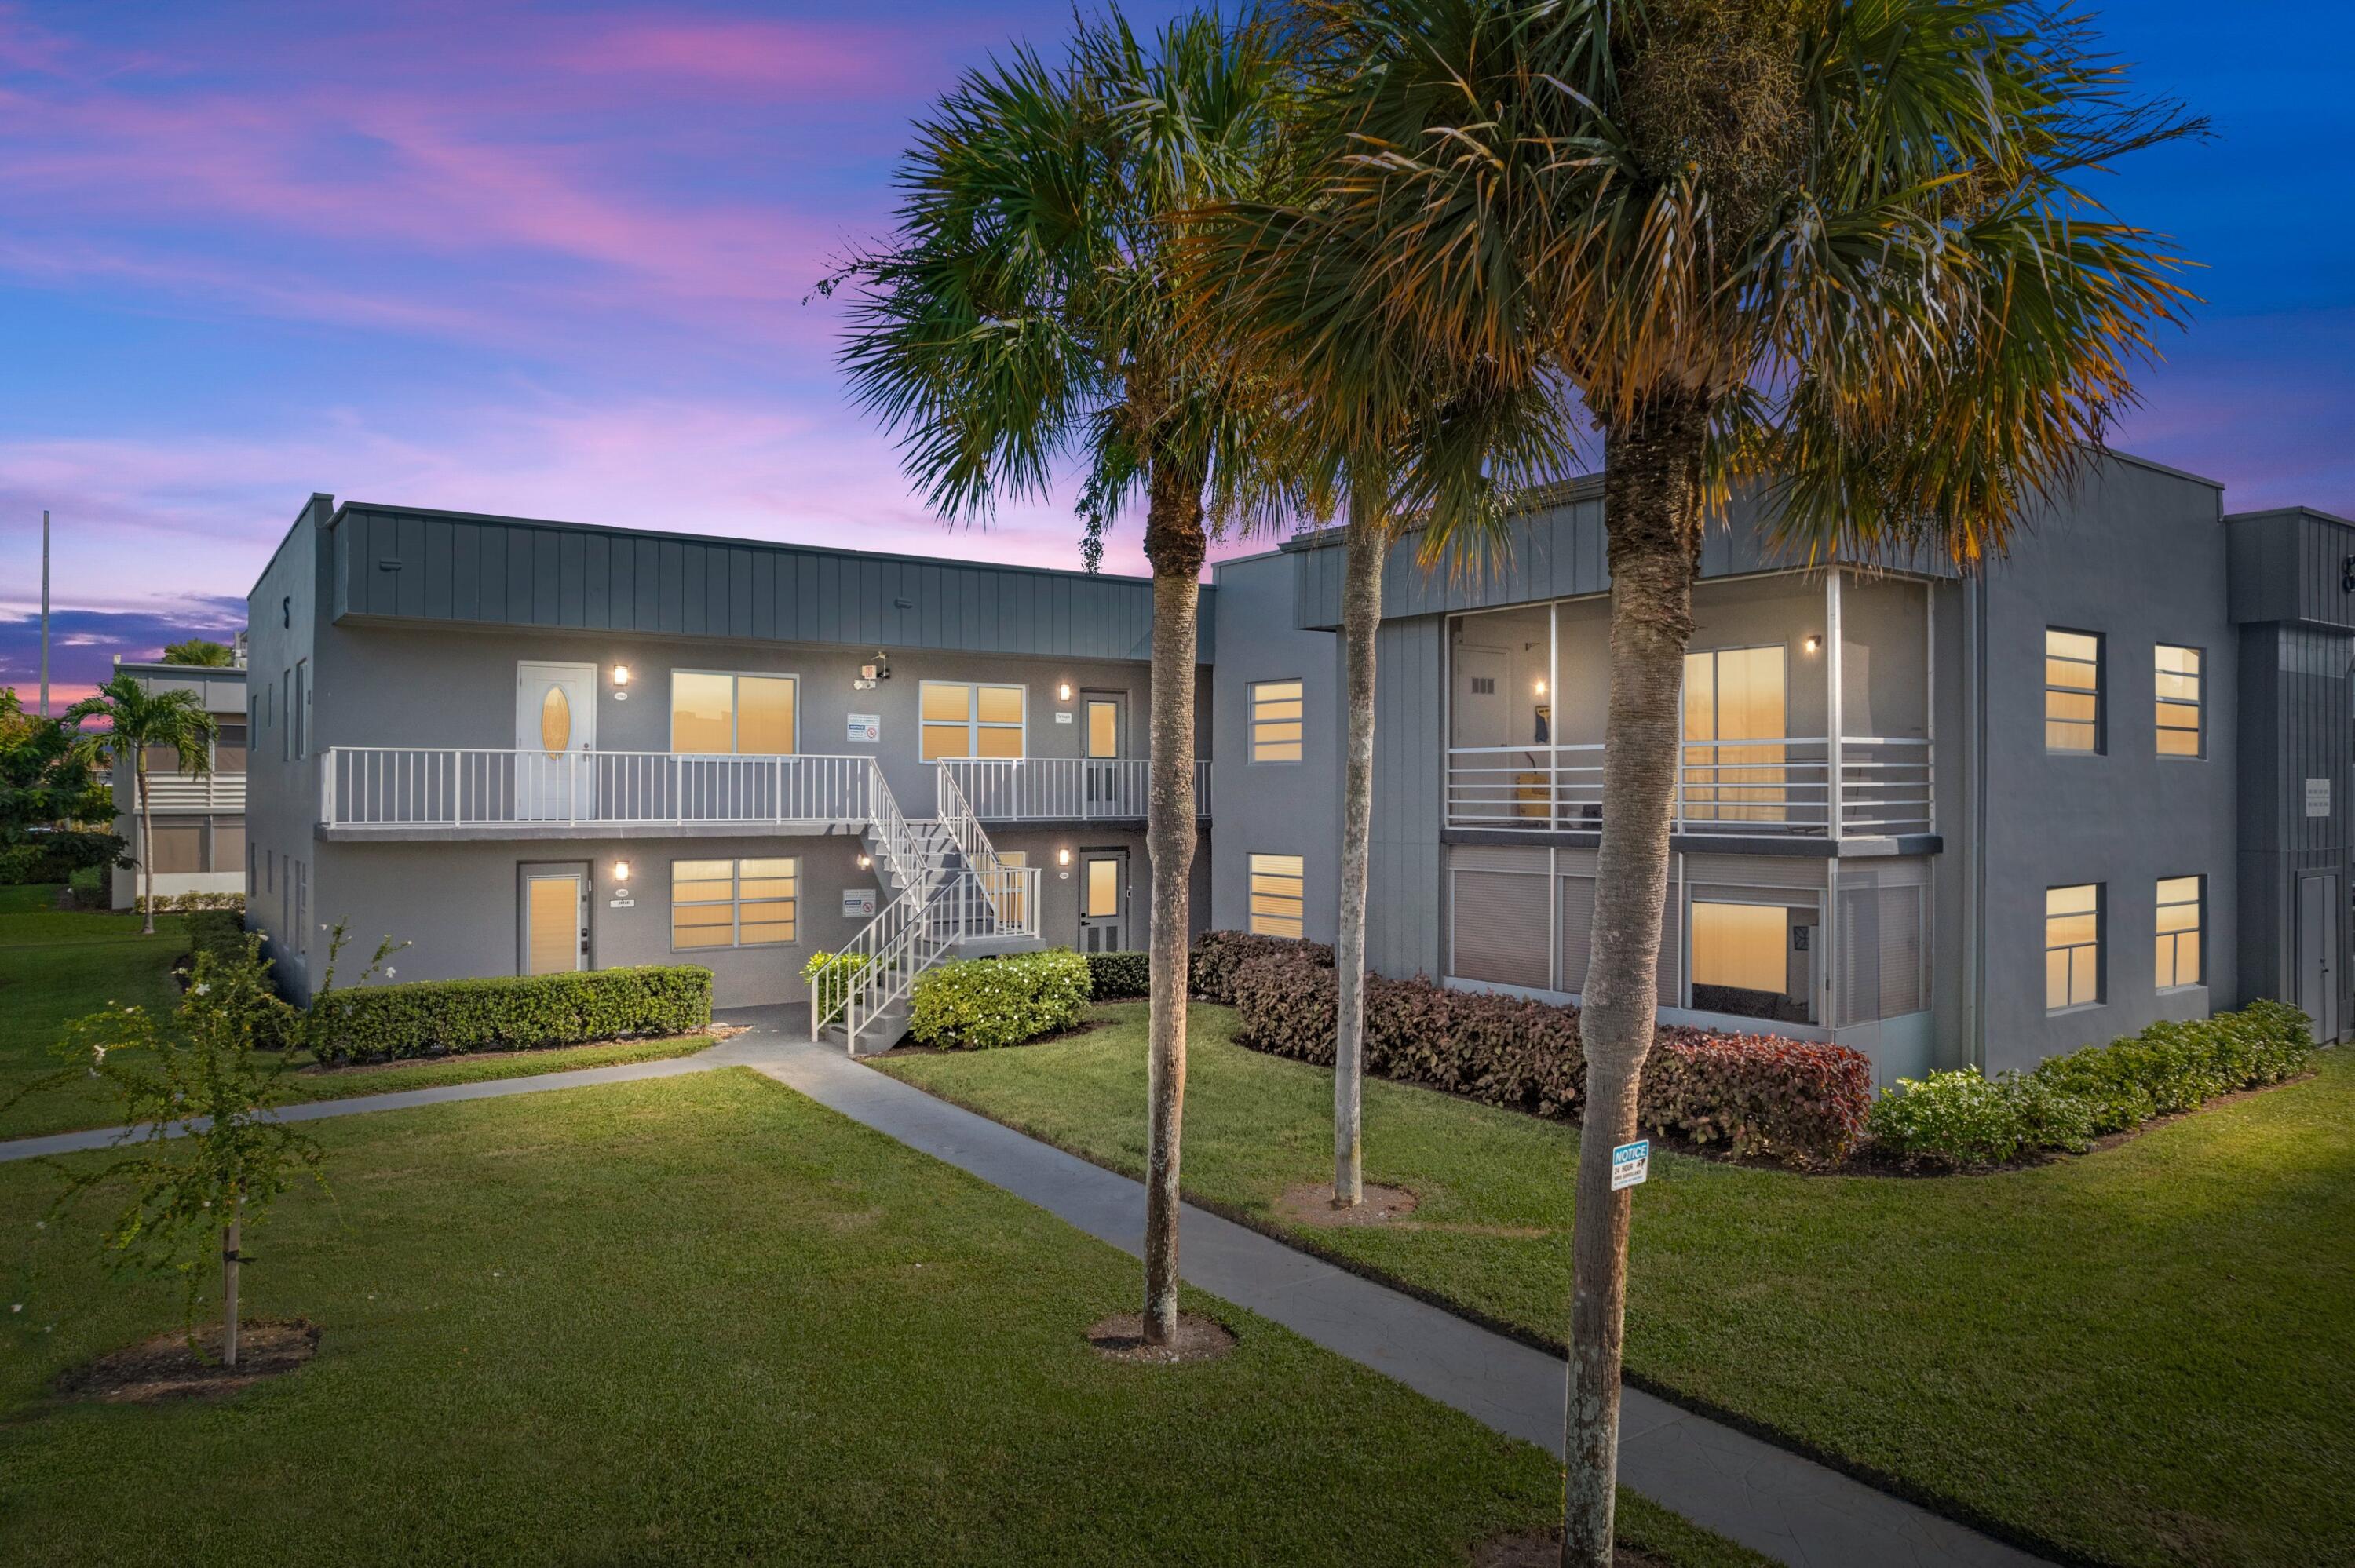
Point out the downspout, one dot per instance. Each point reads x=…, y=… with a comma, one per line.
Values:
x=1976, y=819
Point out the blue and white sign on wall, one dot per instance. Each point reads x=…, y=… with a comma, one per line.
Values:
x=865, y=729
x=858, y=903
x=1630, y=1163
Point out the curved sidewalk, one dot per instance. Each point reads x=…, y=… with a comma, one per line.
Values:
x=1766, y=1498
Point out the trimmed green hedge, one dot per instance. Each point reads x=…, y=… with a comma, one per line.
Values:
x=979, y=1004
x=439, y=1018
x=1117, y=977
x=1962, y=1119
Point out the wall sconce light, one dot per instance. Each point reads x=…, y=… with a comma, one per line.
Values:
x=1541, y=686
x=1063, y=692
x=1814, y=644
x=864, y=861
x=622, y=871
x=1062, y=857
x=620, y=683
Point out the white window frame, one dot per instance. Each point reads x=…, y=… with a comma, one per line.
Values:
x=2198, y=903
x=735, y=710
x=1252, y=720
x=974, y=723
x=2196, y=704
x=734, y=902
x=2098, y=948
x=2100, y=691
x=1250, y=894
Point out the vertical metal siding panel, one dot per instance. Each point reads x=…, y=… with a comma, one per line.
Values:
x=547, y=575
x=597, y=581
x=763, y=610
x=491, y=543
x=521, y=569
x=466, y=571
x=572, y=581
x=672, y=614
x=743, y=566
x=435, y=570
x=645, y=586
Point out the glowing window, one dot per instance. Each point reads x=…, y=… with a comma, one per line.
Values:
x=1276, y=900
x=2072, y=690
x=2176, y=677
x=715, y=713
x=960, y=719
x=733, y=903
x=2179, y=930
x=1276, y=709
x=1743, y=946
x=2073, y=945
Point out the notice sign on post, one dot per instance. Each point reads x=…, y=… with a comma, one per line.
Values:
x=865, y=729
x=1630, y=1163
x=2317, y=797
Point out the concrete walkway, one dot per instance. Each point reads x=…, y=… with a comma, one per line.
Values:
x=1766, y=1498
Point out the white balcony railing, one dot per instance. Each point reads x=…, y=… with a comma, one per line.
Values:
x=1753, y=788
x=184, y=792
x=403, y=786
x=1062, y=788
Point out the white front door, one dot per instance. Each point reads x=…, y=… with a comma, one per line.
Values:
x=556, y=734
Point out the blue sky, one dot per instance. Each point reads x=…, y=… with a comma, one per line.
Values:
x=554, y=259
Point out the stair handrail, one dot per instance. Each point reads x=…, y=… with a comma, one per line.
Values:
x=893, y=834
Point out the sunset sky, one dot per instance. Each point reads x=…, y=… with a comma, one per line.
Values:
x=556, y=259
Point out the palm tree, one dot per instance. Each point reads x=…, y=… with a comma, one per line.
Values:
x=139, y=721
x=1381, y=426
x=1837, y=249
x=1025, y=314
x=200, y=650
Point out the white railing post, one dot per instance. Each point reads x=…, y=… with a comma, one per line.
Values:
x=1834, y=783
x=327, y=787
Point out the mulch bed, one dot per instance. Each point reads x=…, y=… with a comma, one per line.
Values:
x=1543, y=1549
x=1122, y=1339
x=165, y=1368
x=1311, y=1204
x=1090, y=1027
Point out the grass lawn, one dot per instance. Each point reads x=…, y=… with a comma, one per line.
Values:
x=2143, y=1356
x=702, y=1320
x=57, y=966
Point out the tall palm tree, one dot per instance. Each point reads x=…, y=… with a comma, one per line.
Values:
x=1025, y=314
x=139, y=721
x=1843, y=249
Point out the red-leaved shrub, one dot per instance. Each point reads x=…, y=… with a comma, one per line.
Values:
x=1211, y=964
x=1757, y=1094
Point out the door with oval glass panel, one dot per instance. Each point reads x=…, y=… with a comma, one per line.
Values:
x=556, y=734
x=1106, y=716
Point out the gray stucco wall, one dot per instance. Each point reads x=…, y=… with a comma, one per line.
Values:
x=282, y=802
x=2138, y=555
x=1273, y=807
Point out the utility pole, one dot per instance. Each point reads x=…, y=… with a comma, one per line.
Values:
x=45, y=612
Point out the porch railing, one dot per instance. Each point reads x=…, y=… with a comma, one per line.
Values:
x=396, y=787
x=1062, y=788
x=1880, y=787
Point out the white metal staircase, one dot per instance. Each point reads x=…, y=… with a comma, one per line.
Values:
x=951, y=896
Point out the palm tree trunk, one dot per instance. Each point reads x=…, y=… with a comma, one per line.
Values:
x=1362, y=617
x=1174, y=543
x=146, y=860
x=1652, y=514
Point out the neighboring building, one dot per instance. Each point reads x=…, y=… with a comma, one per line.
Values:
x=198, y=825
x=1947, y=819
x=465, y=728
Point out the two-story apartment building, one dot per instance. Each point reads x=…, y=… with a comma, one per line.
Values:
x=196, y=823
x=521, y=746
x=1946, y=818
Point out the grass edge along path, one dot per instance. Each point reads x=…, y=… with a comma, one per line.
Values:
x=2069, y=1356
x=813, y=1343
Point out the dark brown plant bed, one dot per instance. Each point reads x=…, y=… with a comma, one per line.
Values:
x=1122, y=1339
x=714, y=1033
x=165, y=1368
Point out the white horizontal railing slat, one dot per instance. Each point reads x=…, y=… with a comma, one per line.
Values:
x=1775, y=785
x=1063, y=788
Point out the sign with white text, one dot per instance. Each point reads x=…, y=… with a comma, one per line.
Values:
x=865, y=729
x=1630, y=1163
x=858, y=903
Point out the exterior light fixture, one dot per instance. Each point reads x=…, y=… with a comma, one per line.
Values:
x=872, y=675
x=620, y=683
x=1063, y=692
x=1541, y=685
x=1062, y=857
x=864, y=861
x=620, y=871
x=1814, y=644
